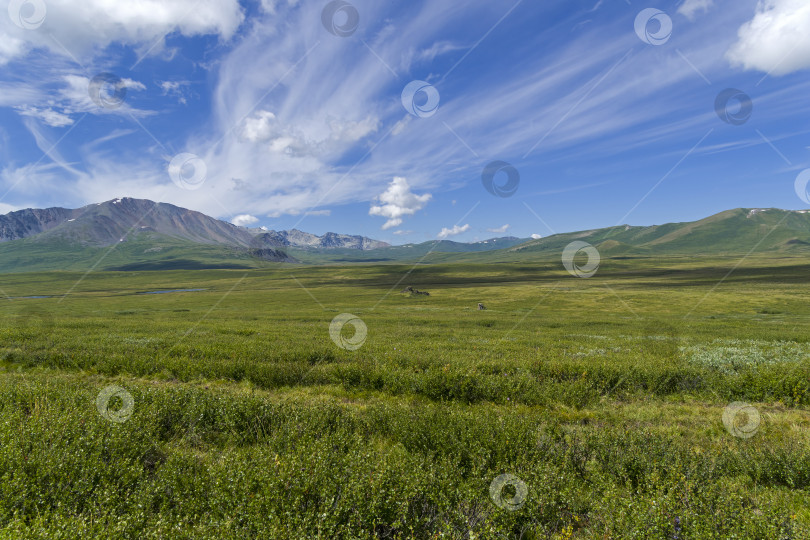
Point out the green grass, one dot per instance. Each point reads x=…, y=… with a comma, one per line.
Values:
x=604, y=396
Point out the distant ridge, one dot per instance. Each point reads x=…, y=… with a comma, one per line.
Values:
x=300, y=239
x=731, y=232
x=147, y=235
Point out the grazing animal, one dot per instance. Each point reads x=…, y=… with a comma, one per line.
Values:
x=481, y=307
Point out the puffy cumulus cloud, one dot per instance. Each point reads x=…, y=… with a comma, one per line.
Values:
x=537, y=236
x=398, y=201
x=776, y=39
x=260, y=127
x=244, y=220
x=499, y=230
x=456, y=230
x=690, y=7
x=91, y=25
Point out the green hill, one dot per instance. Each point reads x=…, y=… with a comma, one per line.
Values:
x=731, y=233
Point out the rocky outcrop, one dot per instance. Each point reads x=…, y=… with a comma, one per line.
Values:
x=412, y=291
x=32, y=221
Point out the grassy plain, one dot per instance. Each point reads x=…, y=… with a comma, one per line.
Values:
x=603, y=396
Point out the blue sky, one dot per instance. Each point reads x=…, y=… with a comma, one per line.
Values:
x=283, y=122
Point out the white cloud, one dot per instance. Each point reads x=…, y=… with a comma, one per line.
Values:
x=537, y=236
x=329, y=132
x=401, y=232
x=49, y=116
x=499, y=230
x=91, y=25
x=318, y=213
x=9, y=48
x=351, y=134
x=259, y=127
x=398, y=201
x=73, y=97
x=690, y=7
x=265, y=127
x=269, y=6
x=776, y=40
x=456, y=230
x=175, y=88
x=244, y=220
x=170, y=86
x=6, y=208
x=77, y=96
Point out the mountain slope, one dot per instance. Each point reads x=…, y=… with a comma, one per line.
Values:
x=138, y=234
x=732, y=232
x=108, y=223
x=25, y=223
x=132, y=234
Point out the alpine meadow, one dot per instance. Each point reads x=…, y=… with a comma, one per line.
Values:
x=293, y=269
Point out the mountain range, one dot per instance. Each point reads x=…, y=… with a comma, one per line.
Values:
x=111, y=222
x=135, y=234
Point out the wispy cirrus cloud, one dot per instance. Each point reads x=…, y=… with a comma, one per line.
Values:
x=47, y=115
x=299, y=119
x=499, y=230
x=689, y=8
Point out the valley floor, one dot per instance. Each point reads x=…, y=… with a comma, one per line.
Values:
x=658, y=399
